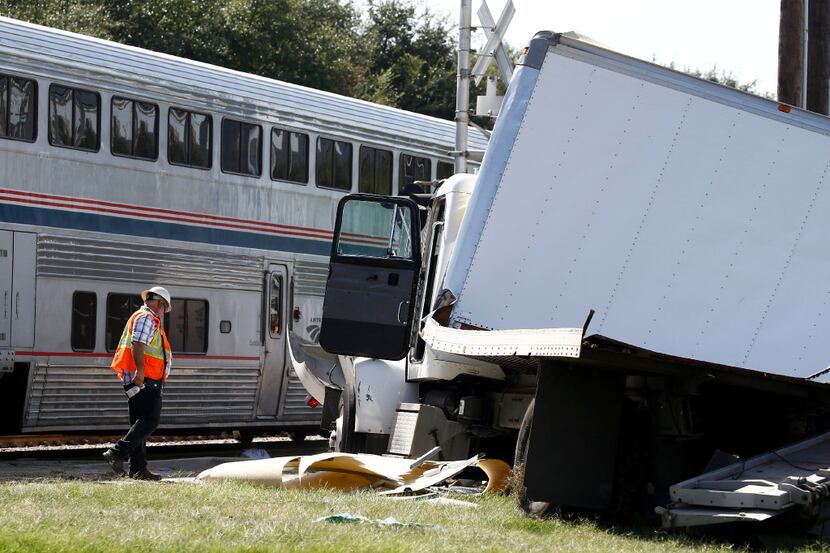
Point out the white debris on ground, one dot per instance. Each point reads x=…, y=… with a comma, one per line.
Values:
x=347, y=471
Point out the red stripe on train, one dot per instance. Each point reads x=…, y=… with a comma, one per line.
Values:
x=132, y=213
x=132, y=208
x=181, y=216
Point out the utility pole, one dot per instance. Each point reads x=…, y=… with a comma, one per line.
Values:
x=462, y=94
x=790, y=49
x=804, y=80
x=818, y=57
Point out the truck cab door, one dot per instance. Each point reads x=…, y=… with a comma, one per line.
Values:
x=373, y=272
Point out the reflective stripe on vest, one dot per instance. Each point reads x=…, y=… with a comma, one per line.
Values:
x=156, y=353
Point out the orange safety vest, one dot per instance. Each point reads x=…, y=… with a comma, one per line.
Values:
x=156, y=353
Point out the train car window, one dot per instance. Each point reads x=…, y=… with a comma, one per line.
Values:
x=177, y=137
x=87, y=110
x=4, y=106
x=230, y=145
x=186, y=326
x=18, y=108
x=121, y=142
x=189, y=138
x=325, y=161
x=22, y=109
x=200, y=131
x=297, y=157
x=375, y=171
x=275, y=306
x=134, y=129
x=334, y=164
x=84, y=307
x=289, y=156
x=119, y=309
x=241, y=148
x=74, y=118
x=60, y=116
x=146, y=131
x=342, y=165
x=444, y=170
x=413, y=168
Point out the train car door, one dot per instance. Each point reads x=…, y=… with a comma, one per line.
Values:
x=23, y=287
x=17, y=287
x=6, y=309
x=273, y=367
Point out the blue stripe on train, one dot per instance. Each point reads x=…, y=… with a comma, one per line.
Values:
x=154, y=229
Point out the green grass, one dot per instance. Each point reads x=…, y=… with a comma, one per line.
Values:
x=86, y=516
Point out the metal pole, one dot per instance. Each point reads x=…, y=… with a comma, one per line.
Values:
x=804, y=51
x=462, y=98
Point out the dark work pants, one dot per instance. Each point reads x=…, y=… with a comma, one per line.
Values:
x=145, y=410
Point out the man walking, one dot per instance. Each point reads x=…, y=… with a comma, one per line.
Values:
x=143, y=361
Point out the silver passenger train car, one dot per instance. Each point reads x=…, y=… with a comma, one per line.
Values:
x=121, y=168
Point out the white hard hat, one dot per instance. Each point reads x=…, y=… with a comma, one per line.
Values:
x=159, y=291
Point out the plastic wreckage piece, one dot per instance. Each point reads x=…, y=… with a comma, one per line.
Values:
x=348, y=471
x=497, y=472
x=282, y=472
x=349, y=518
x=433, y=498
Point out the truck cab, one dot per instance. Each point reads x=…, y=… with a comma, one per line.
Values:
x=388, y=260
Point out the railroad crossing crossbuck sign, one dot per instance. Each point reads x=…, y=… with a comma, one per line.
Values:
x=490, y=103
x=494, y=48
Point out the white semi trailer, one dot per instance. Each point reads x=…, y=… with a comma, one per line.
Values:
x=637, y=279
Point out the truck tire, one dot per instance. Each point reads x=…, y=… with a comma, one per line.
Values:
x=346, y=439
x=532, y=508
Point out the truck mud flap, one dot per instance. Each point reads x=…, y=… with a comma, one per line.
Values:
x=572, y=449
x=331, y=408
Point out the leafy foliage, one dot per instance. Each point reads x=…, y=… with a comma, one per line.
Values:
x=721, y=76
x=88, y=17
x=727, y=78
x=411, y=58
x=395, y=56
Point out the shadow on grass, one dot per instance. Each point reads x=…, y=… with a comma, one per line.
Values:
x=783, y=534
x=779, y=536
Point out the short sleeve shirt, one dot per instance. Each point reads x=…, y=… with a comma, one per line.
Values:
x=144, y=328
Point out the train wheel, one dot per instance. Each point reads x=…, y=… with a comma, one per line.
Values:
x=297, y=435
x=532, y=508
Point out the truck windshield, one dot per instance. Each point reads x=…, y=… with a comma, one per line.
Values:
x=375, y=229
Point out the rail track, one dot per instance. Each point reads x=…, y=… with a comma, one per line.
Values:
x=50, y=440
x=59, y=446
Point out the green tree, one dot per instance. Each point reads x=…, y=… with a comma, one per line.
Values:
x=307, y=42
x=183, y=28
x=87, y=17
x=411, y=58
x=727, y=78
x=720, y=76
x=396, y=55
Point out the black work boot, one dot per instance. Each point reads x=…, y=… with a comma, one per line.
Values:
x=145, y=474
x=114, y=461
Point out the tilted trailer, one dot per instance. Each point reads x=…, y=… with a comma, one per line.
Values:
x=635, y=285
